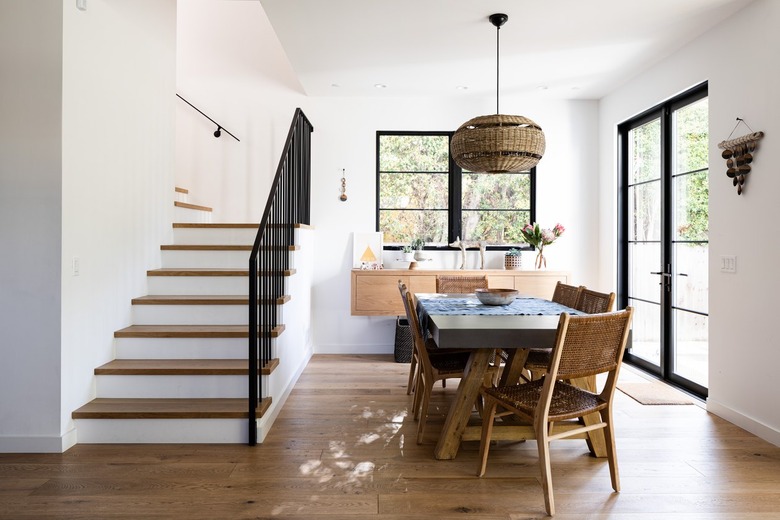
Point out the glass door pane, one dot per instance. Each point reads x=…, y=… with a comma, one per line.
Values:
x=690, y=246
x=644, y=239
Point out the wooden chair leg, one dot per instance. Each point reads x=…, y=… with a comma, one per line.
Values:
x=412, y=375
x=543, y=443
x=417, y=398
x=427, y=389
x=488, y=417
x=609, y=438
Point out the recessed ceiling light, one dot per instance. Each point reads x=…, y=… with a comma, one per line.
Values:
x=380, y=85
x=542, y=87
x=575, y=88
x=462, y=87
x=335, y=85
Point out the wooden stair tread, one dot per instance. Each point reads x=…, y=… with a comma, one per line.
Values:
x=204, y=247
x=209, y=247
x=187, y=205
x=215, y=225
x=181, y=190
x=108, y=408
x=236, y=225
x=182, y=367
x=204, y=299
x=190, y=331
x=204, y=271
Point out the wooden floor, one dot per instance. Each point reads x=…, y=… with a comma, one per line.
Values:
x=344, y=447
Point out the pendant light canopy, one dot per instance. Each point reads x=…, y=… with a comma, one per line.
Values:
x=498, y=143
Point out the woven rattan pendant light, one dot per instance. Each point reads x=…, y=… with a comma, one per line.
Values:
x=498, y=143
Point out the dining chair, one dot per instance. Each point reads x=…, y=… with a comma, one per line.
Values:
x=460, y=284
x=585, y=346
x=539, y=359
x=594, y=302
x=566, y=294
x=429, y=344
x=431, y=366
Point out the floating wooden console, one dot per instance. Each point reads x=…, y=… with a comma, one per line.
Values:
x=375, y=293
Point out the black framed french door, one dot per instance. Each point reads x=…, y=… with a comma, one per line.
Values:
x=663, y=247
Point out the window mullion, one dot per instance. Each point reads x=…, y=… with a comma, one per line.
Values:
x=455, y=200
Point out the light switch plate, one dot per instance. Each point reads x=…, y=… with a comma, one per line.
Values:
x=728, y=264
x=81, y=5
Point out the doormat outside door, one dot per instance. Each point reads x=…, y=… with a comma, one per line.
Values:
x=652, y=393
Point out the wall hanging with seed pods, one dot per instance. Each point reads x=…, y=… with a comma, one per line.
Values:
x=739, y=154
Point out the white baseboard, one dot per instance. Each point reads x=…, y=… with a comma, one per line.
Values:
x=339, y=348
x=755, y=427
x=266, y=422
x=38, y=443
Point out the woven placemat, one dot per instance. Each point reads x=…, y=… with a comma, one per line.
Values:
x=653, y=393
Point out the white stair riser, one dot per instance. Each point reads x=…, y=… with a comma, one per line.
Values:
x=198, y=259
x=190, y=314
x=214, y=236
x=171, y=386
x=192, y=285
x=145, y=431
x=181, y=348
x=191, y=216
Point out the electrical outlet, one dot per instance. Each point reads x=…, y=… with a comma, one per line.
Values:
x=76, y=265
x=728, y=264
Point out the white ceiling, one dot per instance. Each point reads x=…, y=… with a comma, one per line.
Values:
x=554, y=48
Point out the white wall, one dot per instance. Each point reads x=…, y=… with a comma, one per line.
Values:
x=255, y=95
x=738, y=58
x=232, y=67
x=345, y=137
x=30, y=224
x=86, y=155
x=119, y=63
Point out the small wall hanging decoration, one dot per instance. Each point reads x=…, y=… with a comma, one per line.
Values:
x=343, y=196
x=738, y=153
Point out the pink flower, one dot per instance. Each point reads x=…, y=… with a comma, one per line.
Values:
x=558, y=230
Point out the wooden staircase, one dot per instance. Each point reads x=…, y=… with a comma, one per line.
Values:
x=180, y=373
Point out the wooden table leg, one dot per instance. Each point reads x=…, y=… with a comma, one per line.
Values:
x=514, y=366
x=596, y=442
x=461, y=406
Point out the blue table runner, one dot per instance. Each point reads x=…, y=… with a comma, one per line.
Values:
x=522, y=306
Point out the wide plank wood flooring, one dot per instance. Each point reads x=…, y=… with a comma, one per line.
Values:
x=344, y=447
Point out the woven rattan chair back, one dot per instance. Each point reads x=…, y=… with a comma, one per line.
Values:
x=567, y=294
x=594, y=302
x=414, y=326
x=460, y=284
x=592, y=345
x=414, y=366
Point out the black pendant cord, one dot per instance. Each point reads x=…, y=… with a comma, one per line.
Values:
x=498, y=20
x=498, y=32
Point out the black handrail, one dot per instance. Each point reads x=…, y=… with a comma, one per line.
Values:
x=219, y=129
x=289, y=203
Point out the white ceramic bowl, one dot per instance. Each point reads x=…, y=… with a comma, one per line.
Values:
x=496, y=296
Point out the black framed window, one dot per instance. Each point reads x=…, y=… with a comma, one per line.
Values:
x=423, y=194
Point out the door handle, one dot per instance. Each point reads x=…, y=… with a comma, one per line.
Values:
x=664, y=274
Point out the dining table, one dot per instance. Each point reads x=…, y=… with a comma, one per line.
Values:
x=461, y=321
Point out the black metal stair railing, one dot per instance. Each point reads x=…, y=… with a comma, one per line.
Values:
x=289, y=203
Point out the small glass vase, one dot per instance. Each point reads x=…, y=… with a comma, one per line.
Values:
x=541, y=261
